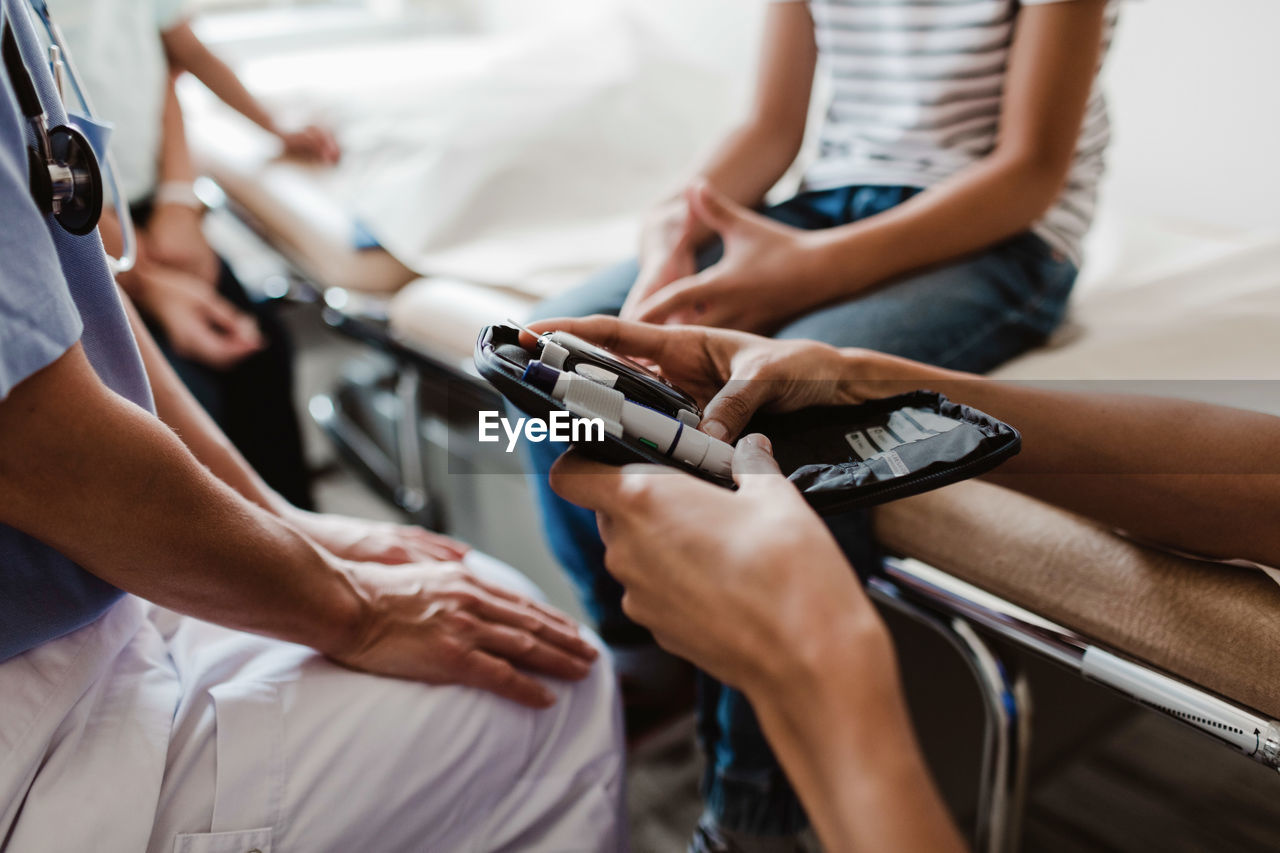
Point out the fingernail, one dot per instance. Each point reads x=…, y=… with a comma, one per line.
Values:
x=760, y=442
x=715, y=429
x=547, y=697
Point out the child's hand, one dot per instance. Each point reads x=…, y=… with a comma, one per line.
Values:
x=667, y=252
x=313, y=144
x=769, y=274
x=200, y=324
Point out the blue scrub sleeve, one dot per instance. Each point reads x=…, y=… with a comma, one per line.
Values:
x=38, y=318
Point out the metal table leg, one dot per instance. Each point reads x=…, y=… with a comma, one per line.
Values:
x=1006, y=703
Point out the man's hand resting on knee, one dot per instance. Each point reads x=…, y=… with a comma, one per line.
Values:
x=191, y=527
x=436, y=622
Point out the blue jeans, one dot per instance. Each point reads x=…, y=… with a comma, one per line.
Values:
x=972, y=314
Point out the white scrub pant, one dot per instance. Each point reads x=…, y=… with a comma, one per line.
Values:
x=152, y=731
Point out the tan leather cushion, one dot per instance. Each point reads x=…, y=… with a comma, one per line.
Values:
x=443, y=316
x=1215, y=626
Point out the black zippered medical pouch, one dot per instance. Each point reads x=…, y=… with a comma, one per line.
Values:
x=839, y=457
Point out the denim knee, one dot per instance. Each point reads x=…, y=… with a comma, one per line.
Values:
x=744, y=787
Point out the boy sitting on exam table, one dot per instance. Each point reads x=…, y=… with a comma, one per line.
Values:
x=231, y=351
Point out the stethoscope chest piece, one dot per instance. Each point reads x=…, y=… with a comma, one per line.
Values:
x=66, y=181
x=71, y=178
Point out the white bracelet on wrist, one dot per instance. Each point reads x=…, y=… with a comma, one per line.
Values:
x=179, y=193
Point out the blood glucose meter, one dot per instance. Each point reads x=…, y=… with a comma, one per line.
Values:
x=633, y=402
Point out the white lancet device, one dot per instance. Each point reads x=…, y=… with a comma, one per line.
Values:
x=632, y=402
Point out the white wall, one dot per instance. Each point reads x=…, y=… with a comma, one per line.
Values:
x=1195, y=96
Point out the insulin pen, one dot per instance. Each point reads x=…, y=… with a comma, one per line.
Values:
x=665, y=435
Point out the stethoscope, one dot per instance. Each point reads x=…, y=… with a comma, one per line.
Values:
x=65, y=176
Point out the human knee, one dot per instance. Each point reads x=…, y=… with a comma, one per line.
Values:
x=603, y=293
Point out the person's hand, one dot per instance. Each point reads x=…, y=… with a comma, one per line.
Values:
x=748, y=585
x=199, y=324
x=668, y=248
x=312, y=144
x=769, y=273
x=174, y=237
x=731, y=374
x=367, y=541
x=436, y=622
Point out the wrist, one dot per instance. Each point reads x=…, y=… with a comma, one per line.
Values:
x=839, y=262
x=130, y=281
x=841, y=680
x=354, y=620
x=869, y=374
x=140, y=286
x=178, y=196
x=855, y=644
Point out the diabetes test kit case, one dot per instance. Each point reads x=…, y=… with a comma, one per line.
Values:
x=839, y=457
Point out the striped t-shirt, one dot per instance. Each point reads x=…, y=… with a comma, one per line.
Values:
x=916, y=94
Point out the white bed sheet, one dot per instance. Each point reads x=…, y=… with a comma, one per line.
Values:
x=507, y=160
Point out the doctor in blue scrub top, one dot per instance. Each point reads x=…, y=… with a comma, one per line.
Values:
x=187, y=662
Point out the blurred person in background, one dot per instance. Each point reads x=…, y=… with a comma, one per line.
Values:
x=231, y=350
x=942, y=220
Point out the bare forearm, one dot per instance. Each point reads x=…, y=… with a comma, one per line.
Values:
x=844, y=737
x=1190, y=475
x=176, y=165
x=759, y=151
x=749, y=162
x=187, y=53
x=184, y=415
x=994, y=199
x=114, y=489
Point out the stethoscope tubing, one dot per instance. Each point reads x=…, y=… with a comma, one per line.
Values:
x=128, y=236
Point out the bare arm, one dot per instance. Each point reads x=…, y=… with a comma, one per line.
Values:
x=798, y=636
x=183, y=414
x=145, y=516
x=1194, y=476
x=111, y=487
x=1052, y=63
x=865, y=784
x=352, y=538
x=175, y=155
x=748, y=162
x=760, y=150
x=187, y=53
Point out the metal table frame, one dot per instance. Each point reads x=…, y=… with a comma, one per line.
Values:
x=958, y=611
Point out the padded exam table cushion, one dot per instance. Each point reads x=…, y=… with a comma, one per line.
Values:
x=1212, y=625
